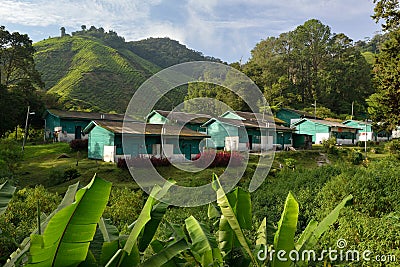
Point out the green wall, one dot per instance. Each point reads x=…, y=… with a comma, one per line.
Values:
x=218, y=131
x=98, y=138
x=157, y=119
x=311, y=128
x=287, y=115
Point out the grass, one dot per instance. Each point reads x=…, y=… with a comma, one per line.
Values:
x=42, y=165
x=41, y=162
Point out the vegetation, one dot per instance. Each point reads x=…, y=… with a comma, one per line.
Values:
x=19, y=80
x=384, y=104
x=82, y=210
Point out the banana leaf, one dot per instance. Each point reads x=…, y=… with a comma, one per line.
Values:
x=6, y=193
x=204, y=245
x=284, y=236
x=66, y=239
x=229, y=218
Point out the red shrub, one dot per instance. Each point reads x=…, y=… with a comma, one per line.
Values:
x=142, y=162
x=221, y=159
x=79, y=144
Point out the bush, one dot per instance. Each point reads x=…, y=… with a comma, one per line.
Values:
x=219, y=159
x=143, y=162
x=329, y=146
x=79, y=144
x=393, y=147
x=290, y=163
x=124, y=206
x=70, y=174
x=355, y=157
x=19, y=220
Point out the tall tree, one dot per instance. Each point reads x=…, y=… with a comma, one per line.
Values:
x=384, y=105
x=19, y=79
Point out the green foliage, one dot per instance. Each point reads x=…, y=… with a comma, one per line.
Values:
x=393, y=147
x=290, y=163
x=124, y=206
x=372, y=221
x=20, y=217
x=355, y=157
x=19, y=80
x=310, y=63
x=10, y=157
x=60, y=235
x=329, y=145
x=70, y=174
x=165, y=52
x=383, y=106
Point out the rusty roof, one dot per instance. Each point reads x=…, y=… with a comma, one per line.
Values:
x=140, y=128
x=184, y=116
x=86, y=115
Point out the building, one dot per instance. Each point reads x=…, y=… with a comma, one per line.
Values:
x=189, y=120
x=245, y=131
x=140, y=139
x=68, y=125
x=322, y=129
x=366, y=132
x=290, y=116
x=282, y=137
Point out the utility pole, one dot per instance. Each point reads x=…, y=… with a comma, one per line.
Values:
x=315, y=109
x=26, y=128
x=352, y=110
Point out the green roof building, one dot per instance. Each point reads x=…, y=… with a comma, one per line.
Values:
x=140, y=139
x=322, y=129
x=69, y=124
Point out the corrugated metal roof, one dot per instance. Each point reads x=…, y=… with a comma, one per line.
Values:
x=328, y=123
x=86, y=115
x=184, y=117
x=250, y=116
x=140, y=128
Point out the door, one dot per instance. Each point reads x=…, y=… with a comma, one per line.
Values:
x=78, y=132
x=250, y=142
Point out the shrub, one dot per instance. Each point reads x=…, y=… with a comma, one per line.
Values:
x=70, y=174
x=329, y=145
x=142, y=162
x=19, y=220
x=79, y=144
x=290, y=163
x=219, y=159
x=355, y=157
x=393, y=147
x=124, y=206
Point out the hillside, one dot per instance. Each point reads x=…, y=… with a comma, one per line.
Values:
x=97, y=71
x=165, y=52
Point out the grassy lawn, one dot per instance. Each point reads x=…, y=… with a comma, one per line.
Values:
x=42, y=164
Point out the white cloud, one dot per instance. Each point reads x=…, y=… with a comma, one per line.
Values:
x=222, y=28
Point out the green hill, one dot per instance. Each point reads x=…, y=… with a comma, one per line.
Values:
x=166, y=52
x=97, y=71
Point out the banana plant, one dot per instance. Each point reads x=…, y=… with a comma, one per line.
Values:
x=66, y=239
x=6, y=193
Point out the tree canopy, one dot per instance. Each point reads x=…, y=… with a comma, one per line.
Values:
x=384, y=105
x=19, y=80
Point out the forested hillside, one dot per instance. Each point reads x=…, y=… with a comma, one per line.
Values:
x=96, y=70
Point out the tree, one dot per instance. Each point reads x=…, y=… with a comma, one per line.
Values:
x=309, y=64
x=19, y=80
x=388, y=10
x=384, y=105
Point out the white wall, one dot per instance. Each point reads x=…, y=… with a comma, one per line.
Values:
x=319, y=137
x=109, y=154
x=232, y=143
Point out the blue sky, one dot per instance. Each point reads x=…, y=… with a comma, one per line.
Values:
x=227, y=29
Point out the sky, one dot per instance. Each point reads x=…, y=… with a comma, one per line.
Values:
x=226, y=29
